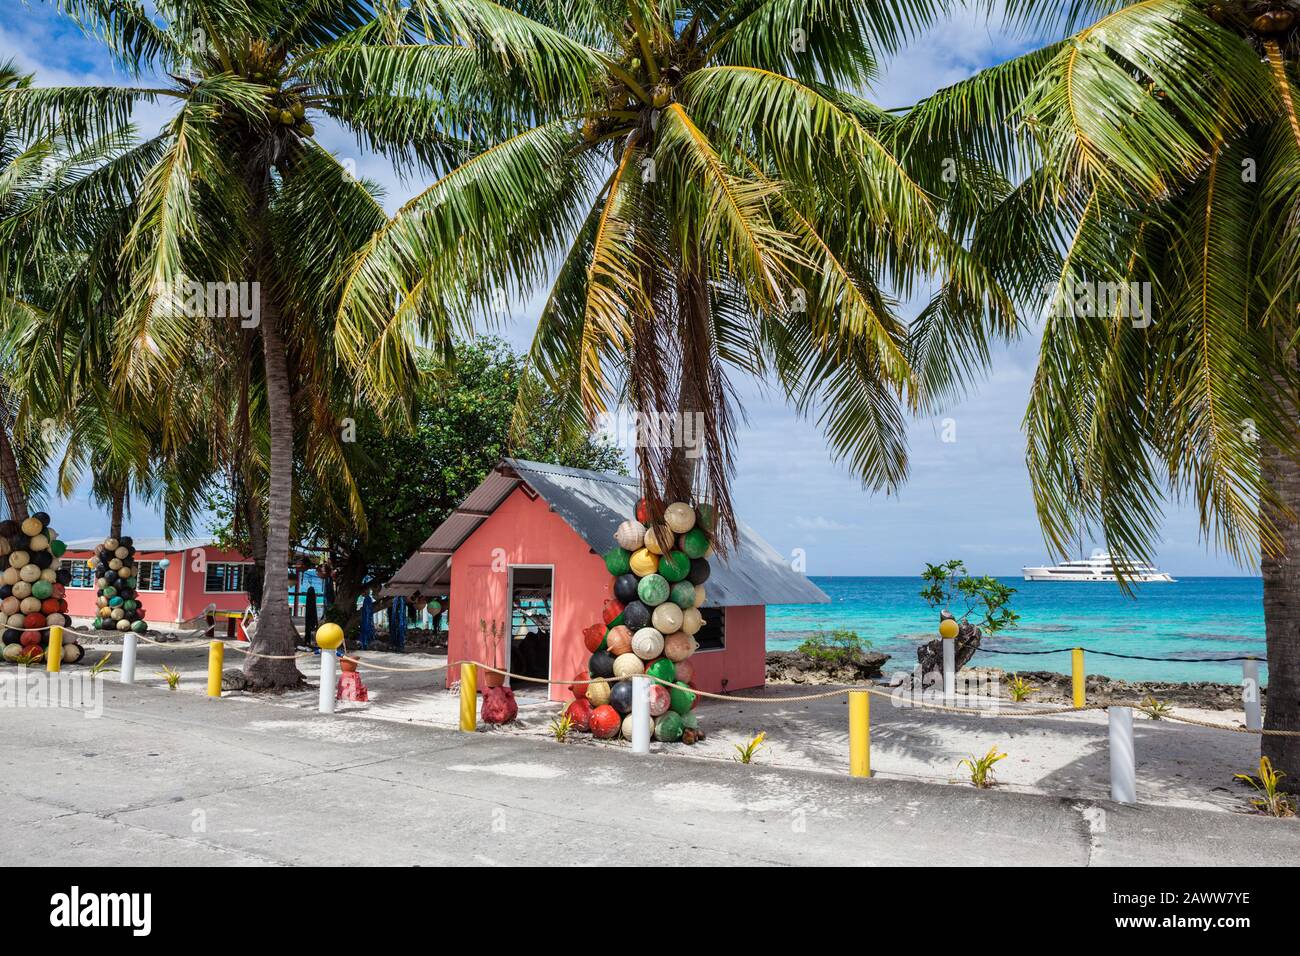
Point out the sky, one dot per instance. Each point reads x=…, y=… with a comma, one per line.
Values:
x=968, y=498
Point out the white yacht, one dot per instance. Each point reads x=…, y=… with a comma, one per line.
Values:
x=1099, y=567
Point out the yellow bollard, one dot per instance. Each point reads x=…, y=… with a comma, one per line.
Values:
x=216, y=657
x=859, y=733
x=469, y=697
x=54, y=653
x=1076, y=668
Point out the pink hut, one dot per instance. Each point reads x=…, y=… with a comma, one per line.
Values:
x=521, y=563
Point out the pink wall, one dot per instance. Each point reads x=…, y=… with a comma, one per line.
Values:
x=165, y=606
x=527, y=532
x=744, y=661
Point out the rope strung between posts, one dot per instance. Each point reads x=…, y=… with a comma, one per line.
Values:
x=248, y=651
x=876, y=692
x=1235, y=730
x=1128, y=657
x=395, y=670
x=797, y=699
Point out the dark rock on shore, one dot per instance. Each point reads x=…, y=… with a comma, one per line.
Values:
x=1053, y=688
x=791, y=667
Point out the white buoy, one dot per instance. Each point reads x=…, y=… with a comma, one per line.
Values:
x=128, y=658
x=641, y=722
x=328, y=681
x=1123, y=758
x=1250, y=694
x=949, y=669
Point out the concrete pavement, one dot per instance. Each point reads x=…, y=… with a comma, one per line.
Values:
x=176, y=779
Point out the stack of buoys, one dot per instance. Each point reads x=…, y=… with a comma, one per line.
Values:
x=32, y=589
x=649, y=625
x=116, y=580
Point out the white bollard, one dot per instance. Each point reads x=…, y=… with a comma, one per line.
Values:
x=328, y=681
x=1250, y=694
x=641, y=715
x=128, y=659
x=949, y=669
x=1123, y=758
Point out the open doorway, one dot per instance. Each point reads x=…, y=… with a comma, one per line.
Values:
x=528, y=646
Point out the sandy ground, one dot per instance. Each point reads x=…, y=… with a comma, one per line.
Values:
x=1065, y=756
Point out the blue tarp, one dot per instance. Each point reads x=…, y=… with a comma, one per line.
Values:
x=367, y=625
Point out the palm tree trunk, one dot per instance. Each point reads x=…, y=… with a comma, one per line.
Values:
x=1282, y=616
x=1280, y=471
x=276, y=638
x=255, y=524
x=683, y=472
x=115, y=523
x=15, y=500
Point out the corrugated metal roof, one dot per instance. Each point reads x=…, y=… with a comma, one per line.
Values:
x=593, y=504
x=144, y=544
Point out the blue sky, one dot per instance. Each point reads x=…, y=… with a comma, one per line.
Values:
x=969, y=498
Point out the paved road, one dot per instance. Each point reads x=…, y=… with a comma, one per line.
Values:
x=176, y=779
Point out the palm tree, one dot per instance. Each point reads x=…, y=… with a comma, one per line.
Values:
x=716, y=198
x=1157, y=226
x=235, y=189
x=30, y=169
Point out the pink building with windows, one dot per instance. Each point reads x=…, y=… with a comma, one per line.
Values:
x=197, y=574
x=521, y=556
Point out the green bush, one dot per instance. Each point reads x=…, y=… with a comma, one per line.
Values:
x=837, y=647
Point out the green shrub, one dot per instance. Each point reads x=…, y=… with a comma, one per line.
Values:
x=837, y=647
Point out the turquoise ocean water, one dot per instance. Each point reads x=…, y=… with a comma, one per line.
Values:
x=1192, y=617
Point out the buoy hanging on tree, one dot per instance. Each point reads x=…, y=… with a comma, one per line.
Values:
x=627, y=665
x=117, y=583
x=32, y=589
x=657, y=570
x=647, y=643
x=659, y=541
x=674, y=566
x=618, y=641
x=598, y=693
x=606, y=722
x=644, y=562
x=630, y=535
x=667, y=618
x=680, y=517
x=636, y=616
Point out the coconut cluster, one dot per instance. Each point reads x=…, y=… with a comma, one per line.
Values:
x=115, y=582
x=32, y=588
x=649, y=625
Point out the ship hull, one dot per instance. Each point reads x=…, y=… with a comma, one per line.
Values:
x=1050, y=574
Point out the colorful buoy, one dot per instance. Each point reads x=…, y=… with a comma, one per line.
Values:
x=653, y=590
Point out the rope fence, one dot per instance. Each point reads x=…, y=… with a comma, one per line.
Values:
x=875, y=692
x=1123, y=758
x=922, y=704
x=1129, y=657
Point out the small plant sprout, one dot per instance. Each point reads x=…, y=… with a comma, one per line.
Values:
x=562, y=726
x=1155, y=709
x=171, y=675
x=1270, y=800
x=981, y=768
x=745, y=752
x=30, y=656
x=1020, y=689
x=100, y=667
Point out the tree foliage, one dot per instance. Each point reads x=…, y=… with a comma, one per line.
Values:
x=949, y=585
